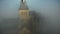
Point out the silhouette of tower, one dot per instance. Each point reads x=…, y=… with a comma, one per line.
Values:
x=24, y=18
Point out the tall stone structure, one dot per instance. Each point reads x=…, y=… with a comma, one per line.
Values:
x=27, y=22
x=24, y=11
x=24, y=19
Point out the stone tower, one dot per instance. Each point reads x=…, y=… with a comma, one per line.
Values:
x=24, y=18
x=23, y=10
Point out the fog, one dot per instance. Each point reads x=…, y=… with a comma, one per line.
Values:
x=49, y=11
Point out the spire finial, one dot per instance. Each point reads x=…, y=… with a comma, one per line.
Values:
x=23, y=0
x=23, y=4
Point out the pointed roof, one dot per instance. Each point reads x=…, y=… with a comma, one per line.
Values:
x=23, y=5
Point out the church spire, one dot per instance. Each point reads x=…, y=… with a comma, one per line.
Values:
x=23, y=5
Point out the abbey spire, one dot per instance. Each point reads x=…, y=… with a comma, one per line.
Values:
x=23, y=5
